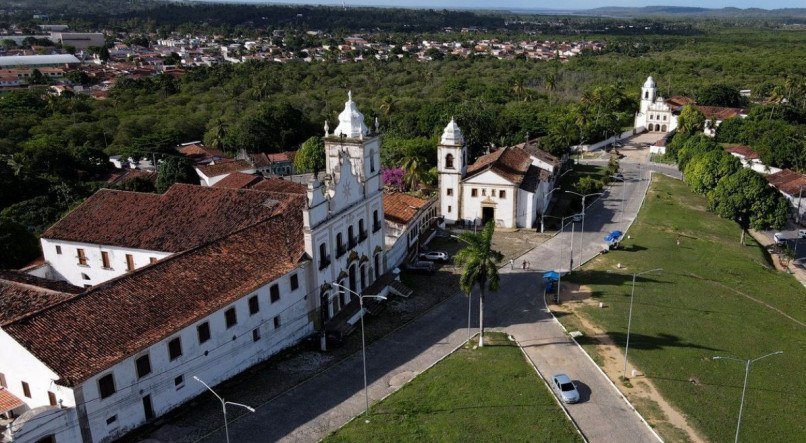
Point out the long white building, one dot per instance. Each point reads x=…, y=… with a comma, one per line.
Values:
x=199, y=281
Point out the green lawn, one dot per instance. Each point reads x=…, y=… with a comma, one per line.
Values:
x=695, y=309
x=486, y=395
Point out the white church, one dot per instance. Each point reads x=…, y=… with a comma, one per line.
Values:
x=655, y=114
x=510, y=186
x=199, y=281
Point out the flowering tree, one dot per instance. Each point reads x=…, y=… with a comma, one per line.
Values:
x=393, y=178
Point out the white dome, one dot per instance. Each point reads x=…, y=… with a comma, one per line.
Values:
x=452, y=135
x=351, y=120
x=650, y=82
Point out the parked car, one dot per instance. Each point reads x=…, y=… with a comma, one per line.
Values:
x=420, y=267
x=619, y=176
x=577, y=217
x=435, y=256
x=801, y=233
x=778, y=237
x=567, y=389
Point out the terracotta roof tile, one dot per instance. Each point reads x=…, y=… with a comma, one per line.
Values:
x=8, y=401
x=195, y=151
x=22, y=294
x=512, y=163
x=226, y=167
x=531, y=148
x=787, y=181
x=401, y=208
x=679, y=101
x=720, y=113
x=280, y=185
x=745, y=151
x=238, y=180
x=184, y=217
x=115, y=319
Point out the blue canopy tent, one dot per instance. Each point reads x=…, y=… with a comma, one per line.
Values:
x=549, y=279
x=613, y=236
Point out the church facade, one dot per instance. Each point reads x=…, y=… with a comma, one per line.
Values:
x=655, y=114
x=510, y=186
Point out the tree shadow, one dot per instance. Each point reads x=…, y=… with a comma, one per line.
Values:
x=655, y=342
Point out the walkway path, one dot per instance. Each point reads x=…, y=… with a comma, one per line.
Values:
x=325, y=402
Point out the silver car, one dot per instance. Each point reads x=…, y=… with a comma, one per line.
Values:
x=566, y=388
x=434, y=256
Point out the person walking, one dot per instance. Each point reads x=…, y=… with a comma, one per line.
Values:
x=512, y=264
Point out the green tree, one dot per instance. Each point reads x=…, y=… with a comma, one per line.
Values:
x=17, y=246
x=480, y=262
x=690, y=120
x=745, y=198
x=695, y=145
x=704, y=171
x=720, y=95
x=310, y=156
x=175, y=169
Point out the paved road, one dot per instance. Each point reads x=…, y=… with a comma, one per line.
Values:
x=325, y=402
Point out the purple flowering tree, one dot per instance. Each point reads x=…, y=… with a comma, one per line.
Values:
x=393, y=178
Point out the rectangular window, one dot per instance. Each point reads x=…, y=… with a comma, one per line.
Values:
x=230, y=317
x=174, y=348
x=143, y=364
x=294, y=282
x=26, y=390
x=58, y=249
x=256, y=334
x=449, y=191
x=82, y=259
x=106, y=385
x=277, y=322
x=112, y=419
x=105, y=259
x=449, y=209
x=502, y=194
x=179, y=382
x=274, y=293
x=474, y=192
x=204, y=332
x=484, y=192
x=254, y=305
x=129, y=262
x=52, y=398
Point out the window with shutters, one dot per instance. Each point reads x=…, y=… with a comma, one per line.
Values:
x=143, y=364
x=230, y=317
x=106, y=385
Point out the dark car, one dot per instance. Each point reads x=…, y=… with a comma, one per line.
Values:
x=420, y=267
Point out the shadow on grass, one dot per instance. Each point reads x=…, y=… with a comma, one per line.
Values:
x=655, y=342
x=411, y=413
x=786, y=393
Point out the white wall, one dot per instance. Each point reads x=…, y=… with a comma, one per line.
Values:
x=18, y=365
x=43, y=422
x=66, y=263
x=226, y=357
x=486, y=183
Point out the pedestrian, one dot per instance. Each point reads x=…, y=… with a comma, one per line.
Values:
x=524, y=265
x=512, y=264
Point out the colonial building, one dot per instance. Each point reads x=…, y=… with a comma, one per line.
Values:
x=199, y=281
x=510, y=186
x=408, y=221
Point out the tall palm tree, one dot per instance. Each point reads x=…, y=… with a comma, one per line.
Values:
x=413, y=166
x=479, y=260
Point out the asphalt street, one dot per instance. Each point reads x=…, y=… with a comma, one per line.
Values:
x=327, y=401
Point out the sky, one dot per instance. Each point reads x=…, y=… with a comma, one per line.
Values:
x=543, y=4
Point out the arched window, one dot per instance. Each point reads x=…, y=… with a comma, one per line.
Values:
x=449, y=161
x=646, y=95
x=371, y=161
x=324, y=260
x=377, y=266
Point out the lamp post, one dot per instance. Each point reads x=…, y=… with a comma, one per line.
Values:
x=747, y=364
x=224, y=405
x=629, y=319
x=363, y=342
x=469, y=299
x=584, y=196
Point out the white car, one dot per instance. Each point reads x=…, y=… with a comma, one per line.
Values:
x=434, y=256
x=567, y=388
x=778, y=237
x=801, y=233
x=577, y=217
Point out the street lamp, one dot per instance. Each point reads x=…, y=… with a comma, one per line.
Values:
x=363, y=342
x=584, y=196
x=747, y=364
x=224, y=405
x=469, y=299
x=629, y=320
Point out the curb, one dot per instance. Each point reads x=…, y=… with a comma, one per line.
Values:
x=553, y=395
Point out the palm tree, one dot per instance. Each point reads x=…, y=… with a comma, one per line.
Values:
x=479, y=260
x=413, y=166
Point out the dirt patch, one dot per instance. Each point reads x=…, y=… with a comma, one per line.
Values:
x=666, y=420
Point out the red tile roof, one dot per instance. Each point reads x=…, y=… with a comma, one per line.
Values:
x=128, y=175
x=182, y=218
x=261, y=159
x=194, y=150
x=679, y=101
x=531, y=148
x=512, y=163
x=788, y=181
x=745, y=151
x=280, y=185
x=661, y=142
x=8, y=401
x=401, y=208
x=22, y=294
x=720, y=113
x=238, y=180
x=111, y=321
x=225, y=167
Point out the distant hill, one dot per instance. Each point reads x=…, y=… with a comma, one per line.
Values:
x=679, y=11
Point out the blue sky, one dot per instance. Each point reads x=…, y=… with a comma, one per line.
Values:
x=537, y=4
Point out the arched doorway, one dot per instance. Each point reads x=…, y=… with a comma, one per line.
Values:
x=487, y=214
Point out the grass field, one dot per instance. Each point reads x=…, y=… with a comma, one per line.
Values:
x=485, y=395
x=713, y=297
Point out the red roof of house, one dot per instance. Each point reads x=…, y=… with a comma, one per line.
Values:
x=661, y=142
x=194, y=150
x=788, y=181
x=22, y=294
x=745, y=151
x=401, y=208
x=238, y=180
x=512, y=163
x=679, y=101
x=225, y=167
x=8, y=401
x=280, y=185
x=182, y=218
x=113, y=320
x=262, y=159
x=720, y=113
